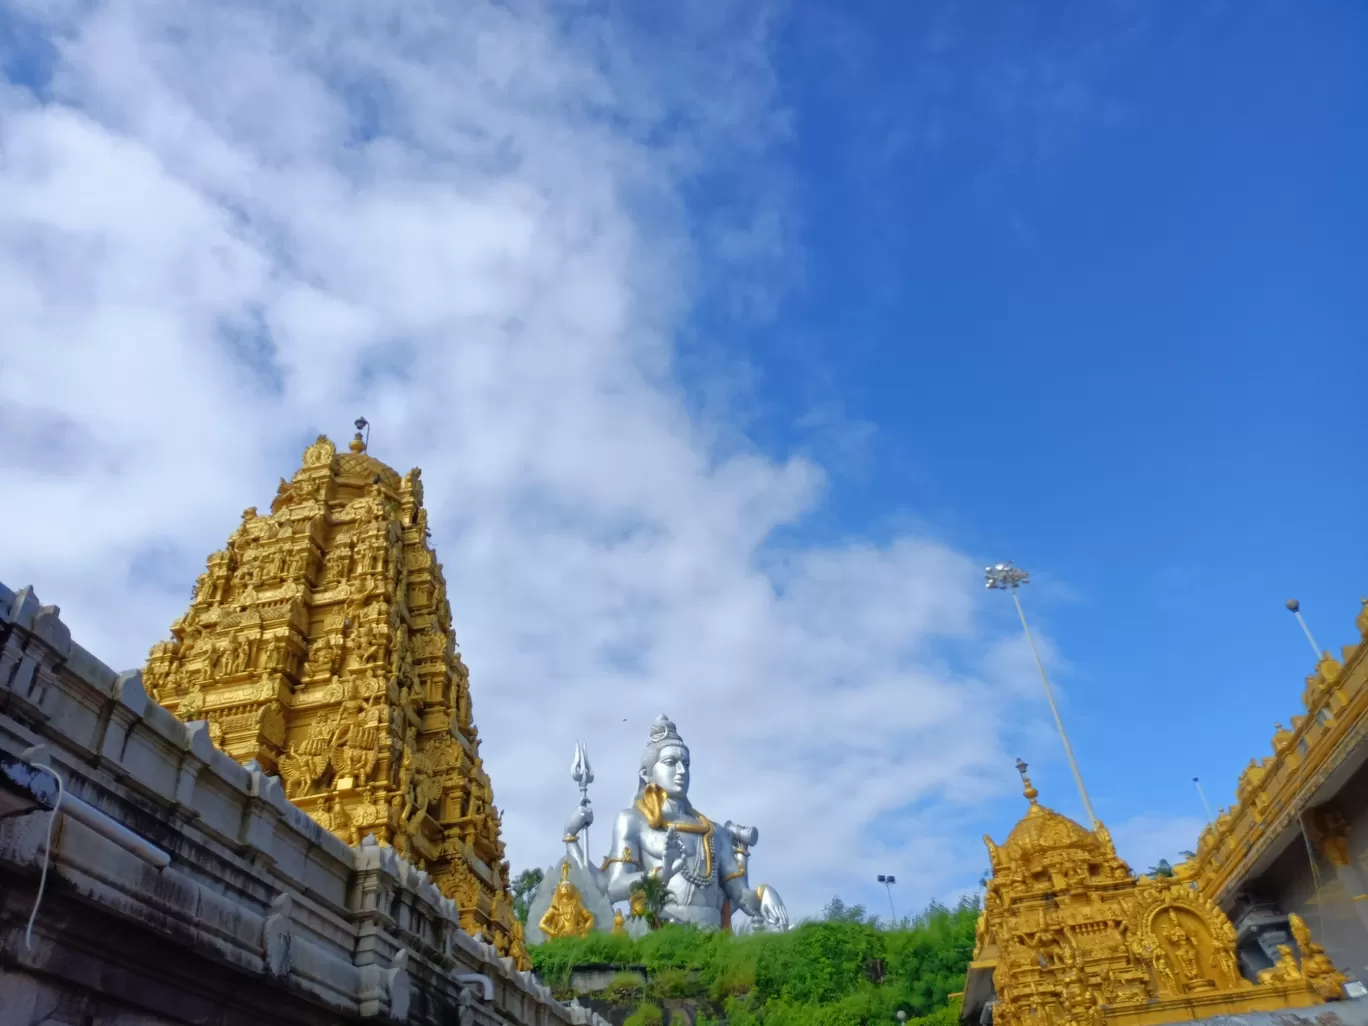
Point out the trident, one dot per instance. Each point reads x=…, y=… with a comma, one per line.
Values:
x=583, y=775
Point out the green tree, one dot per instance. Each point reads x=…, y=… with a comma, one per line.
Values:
x=524, y=887
x=1162, y=869
x=837, y=911
x=655, y=896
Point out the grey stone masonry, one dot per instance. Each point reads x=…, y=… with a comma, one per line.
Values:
x=182, y=887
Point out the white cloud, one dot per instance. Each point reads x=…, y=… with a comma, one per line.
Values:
x=1143, y=840
x=225, y=227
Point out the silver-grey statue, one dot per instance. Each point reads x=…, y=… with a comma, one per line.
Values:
x=702, y=865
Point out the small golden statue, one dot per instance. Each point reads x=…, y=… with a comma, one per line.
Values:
x=1320, y=973
x=1285, y=970
x=567, y=916
x=637, y=903
x=619, y=924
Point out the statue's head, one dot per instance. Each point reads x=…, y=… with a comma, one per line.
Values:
x=665, y=762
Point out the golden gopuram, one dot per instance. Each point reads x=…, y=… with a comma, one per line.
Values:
x=319, y=643
x=1070, y=937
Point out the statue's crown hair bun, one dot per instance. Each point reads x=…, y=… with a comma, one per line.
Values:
x=663, y=729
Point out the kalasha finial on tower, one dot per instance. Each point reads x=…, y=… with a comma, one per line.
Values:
x=358, y=443
x=1028, y=789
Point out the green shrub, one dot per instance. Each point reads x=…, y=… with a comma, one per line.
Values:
x=817, y=974
x=733, y=975
x=646, y=1015
x=675, y=983
x=624, y=987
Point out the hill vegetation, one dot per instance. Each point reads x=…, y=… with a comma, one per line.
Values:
x=846, y=969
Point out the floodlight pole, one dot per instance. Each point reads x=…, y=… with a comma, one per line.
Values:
x=1006, y=577
x=888, y=882
x=1294, y=607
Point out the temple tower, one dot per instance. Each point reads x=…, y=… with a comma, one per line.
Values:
x=319, y=643
x=1069, y=935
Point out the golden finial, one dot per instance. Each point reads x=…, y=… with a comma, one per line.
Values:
x=358, y=444
x=1030, y=792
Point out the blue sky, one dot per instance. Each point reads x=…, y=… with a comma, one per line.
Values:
x=733, y=340
x=1110, y=325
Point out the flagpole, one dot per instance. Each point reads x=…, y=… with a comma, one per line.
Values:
x=1006, y=577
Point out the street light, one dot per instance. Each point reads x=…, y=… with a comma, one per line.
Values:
x=1006, y=577
x=1294, y=607
x=888, y=882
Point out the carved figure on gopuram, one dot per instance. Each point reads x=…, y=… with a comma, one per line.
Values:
x=319, y=644
x=1070, y=936
x=702, y=864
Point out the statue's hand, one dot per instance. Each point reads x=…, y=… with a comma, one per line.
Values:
x=673, y=854
x=772, y=910
x=583, y=817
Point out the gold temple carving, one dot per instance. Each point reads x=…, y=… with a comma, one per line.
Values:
x=319, y=644
x=1071, y=936
x=1275, y=790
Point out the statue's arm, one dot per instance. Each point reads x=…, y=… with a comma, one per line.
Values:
x=623, y=874
x=582, y=818
x=735, y=883
x=733, y=861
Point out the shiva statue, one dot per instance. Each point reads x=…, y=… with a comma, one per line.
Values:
x=702, y=865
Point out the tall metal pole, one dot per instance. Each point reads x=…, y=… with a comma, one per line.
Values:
x=1006, y=577
x=888, y=882
x=1294, y=607
x=1202, y=795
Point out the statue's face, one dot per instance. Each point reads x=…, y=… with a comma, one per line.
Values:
x=671, y=772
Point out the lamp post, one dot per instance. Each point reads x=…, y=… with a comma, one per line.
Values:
x=1202, y=795
x=1294, y=607
x=888, y=882
x=1006, y=577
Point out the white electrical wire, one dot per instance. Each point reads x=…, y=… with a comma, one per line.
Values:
x=47, y=852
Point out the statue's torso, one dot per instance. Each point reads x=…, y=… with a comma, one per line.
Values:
x=696, y=885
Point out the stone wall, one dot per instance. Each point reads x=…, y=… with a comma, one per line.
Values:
x=183, y=887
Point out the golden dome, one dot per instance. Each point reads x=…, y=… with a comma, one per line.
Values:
x=359, y=463
x=1041, y=827
x=1044, y=828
